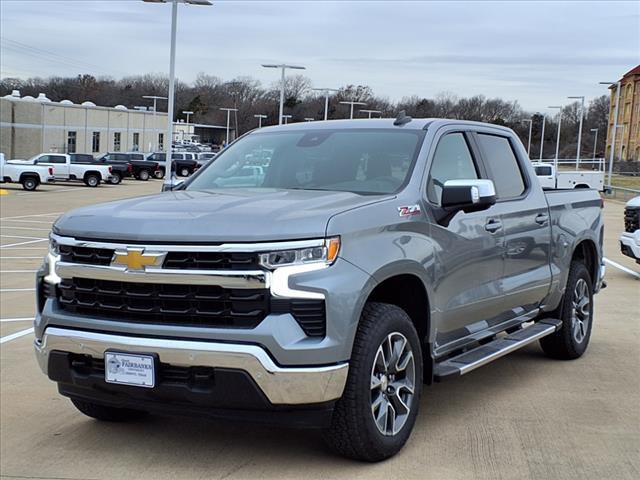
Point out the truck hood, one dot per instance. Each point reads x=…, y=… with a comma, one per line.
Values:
x=238, y=215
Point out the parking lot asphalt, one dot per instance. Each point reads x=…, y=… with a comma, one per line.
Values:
x=523, y=416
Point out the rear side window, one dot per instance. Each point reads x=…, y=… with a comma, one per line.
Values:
x=452, y=161
x=543, y=171
x=503, y=165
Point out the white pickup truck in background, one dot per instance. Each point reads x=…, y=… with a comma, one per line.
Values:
x=30, y=176
x=89, y=173
x=551, y=177
x=630, y=238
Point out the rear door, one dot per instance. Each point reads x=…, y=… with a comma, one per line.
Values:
x=59, y=163
x=524, y=214
x=469, y=249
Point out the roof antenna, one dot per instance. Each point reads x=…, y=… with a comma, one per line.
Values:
x=402, y=118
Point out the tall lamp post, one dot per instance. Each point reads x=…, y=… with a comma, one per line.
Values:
x=370, y=112
x=155, y=99
x=172, y=73
x=615, y=126
x=581, y=98
x=260, y=116
x=326, y=99
x=555, y=160
x=228, y=110
x=282, y=67
x=352, y=103
x=544, y=120
x=188, y=114
x=595, y=142
x=529, y=142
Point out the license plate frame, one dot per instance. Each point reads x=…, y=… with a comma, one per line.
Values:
x=131, y=369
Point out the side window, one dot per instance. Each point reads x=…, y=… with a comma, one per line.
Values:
x=57, y=159
x=43, y=159
x=452, y=161
x=503, y=165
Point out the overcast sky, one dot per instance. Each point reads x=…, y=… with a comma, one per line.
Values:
x=533, y=52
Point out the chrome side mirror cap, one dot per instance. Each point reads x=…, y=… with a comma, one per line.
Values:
x=471, y=195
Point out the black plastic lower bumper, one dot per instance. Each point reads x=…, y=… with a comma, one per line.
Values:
x=195, y=391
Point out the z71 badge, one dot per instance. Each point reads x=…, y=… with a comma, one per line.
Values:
x=409, y=210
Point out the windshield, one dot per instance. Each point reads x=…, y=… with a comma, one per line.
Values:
x=374, y=161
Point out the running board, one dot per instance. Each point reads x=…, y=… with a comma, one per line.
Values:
x=483, y=354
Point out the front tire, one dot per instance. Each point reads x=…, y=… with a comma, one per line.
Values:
x=92, y=181
x=159, y=174
x=107, y=414
x=115, y=178
x=576, y=313
x=143, y=175
x=184, y=172
x=374, y=418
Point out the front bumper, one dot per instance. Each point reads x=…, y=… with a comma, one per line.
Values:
x=630, y=244
x=280, y=385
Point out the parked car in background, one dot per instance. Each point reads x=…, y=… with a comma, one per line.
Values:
x=136, y=165
x=551, y=178
x=90, y=173
x=204, y=158
x=119, y=168
x=630, y=238
x=29, y=176
x=182, y=163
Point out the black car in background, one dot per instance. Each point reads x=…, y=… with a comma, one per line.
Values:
x=182, y=163
x=138, y=168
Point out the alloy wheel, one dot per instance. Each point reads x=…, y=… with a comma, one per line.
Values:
x=580, y=311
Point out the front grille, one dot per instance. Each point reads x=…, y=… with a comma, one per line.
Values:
x=211, y=261
x=184, y=305
x=86, y=255
x=631, y=219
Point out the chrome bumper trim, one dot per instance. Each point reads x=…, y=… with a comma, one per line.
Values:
x=281, y=385
x=223, y=278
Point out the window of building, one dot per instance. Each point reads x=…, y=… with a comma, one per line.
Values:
x=136, y=142
x=161, y=141
x=117, y=136
x=452, y=161
x=95, y=142
x=503, y=165
x=71, y=142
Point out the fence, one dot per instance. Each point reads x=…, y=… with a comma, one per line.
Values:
x=620, y=193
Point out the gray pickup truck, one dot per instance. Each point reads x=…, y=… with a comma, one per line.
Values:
x=364, y=259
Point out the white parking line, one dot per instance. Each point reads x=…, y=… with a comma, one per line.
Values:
x=622, y=267
x=18, y=271
x=20, y=319
x=24, y=243
x=9, y=290
x=20, y=258
x=13, y=336
x=28, y=221
x=34, y=215
x=11, y=227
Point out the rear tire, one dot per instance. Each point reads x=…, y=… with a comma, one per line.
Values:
x=115, y=178
x=374, y=418
x=159, y=174
x=184, y=172
x=143, y=175
x=92, y=180
x=576, y=313
x=30, y=183
x=107, y=414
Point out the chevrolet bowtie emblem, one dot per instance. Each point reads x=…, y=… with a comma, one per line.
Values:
x=137, y=258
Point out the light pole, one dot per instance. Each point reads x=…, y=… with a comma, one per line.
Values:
x=371, y=111
x=595, y=142
x=188, y=129
x=260, y=117
x=228, y=110
x=615, y=126
x=286, y=118
x=352, y=103
x=283, y=67
x=581, y=98
x=309, y=119
x=326, y=98
x=155, y=99
x=544, y=120
x=555, y=161
x=529, y=143
x=172, y=73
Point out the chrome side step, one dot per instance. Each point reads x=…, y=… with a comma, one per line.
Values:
x=483, y=354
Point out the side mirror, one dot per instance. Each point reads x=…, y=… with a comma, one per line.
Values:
x=468, y=195
x=173, y=184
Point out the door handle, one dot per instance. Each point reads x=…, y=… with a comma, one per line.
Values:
x=493, y=226
x=542, y=219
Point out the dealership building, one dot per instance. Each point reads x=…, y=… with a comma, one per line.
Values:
x=29, y=126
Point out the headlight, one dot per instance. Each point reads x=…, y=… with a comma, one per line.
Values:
x=325, y=253
x=54, y=248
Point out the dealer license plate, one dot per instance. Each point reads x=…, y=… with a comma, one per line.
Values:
x=129, y=369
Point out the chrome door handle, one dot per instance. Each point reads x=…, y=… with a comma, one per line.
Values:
x=493, y=226
x=542, y=219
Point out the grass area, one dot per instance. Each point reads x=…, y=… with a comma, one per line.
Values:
x=625, y=182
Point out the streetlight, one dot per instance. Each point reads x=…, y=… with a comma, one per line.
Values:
x=371, y=111
x=155, y=99
x=309, y=119
x=581, y=98
x=283, y=67
x=595, y=142
x=555, y=161
x=228, y=110
x=544, y=120
x=529, y=143
x=352, y=104
x=188, y=130
x=615, y=125
x=326, y=98
x=286, y=118
x=172, y=73
x=260, y=117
